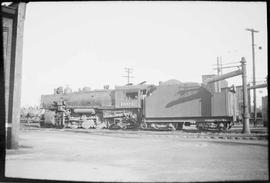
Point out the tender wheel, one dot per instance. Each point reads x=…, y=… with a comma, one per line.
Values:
x=222, y=127
x=171, y=127
x=230, y=125
x=200, y=126
x=143, y=125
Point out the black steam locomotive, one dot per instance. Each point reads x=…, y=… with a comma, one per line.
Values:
x=171, y=104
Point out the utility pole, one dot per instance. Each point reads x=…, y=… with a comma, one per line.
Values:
x=246, y=128
x=128, y=76
x=218, y=73
x=220, y=63
x=254, y=77
x=249, y=100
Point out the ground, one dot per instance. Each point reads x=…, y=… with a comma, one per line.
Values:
x=104, y=155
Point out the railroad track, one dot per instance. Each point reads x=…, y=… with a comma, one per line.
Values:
x=183, y=134
x=178, y=134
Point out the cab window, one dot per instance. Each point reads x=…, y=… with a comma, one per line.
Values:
x=144, y=92
x=132, y=95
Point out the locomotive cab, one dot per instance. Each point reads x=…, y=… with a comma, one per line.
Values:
x=130, y=96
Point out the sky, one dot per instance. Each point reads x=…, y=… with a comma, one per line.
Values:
x=80, y=44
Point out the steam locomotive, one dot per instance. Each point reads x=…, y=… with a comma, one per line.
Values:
x=171, y=105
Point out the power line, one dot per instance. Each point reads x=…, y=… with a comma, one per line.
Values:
x=231, y=63
x=220, y=68
x=228, y=63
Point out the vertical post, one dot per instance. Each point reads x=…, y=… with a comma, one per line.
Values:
x=128, y=75
x=17, y=76
x=221, y=65
x=13, y=45
x=249, y=100
x=246, y=128
x=9, y=49
x=218, y=73
x=63, y=119
x=254, y=77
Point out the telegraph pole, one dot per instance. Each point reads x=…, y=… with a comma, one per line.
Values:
x=128, y=76
x=220, y=63
x=254, y=77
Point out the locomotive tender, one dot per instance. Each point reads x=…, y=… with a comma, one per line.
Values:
x=172, y=104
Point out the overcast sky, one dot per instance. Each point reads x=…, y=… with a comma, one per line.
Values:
x=90, y=43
